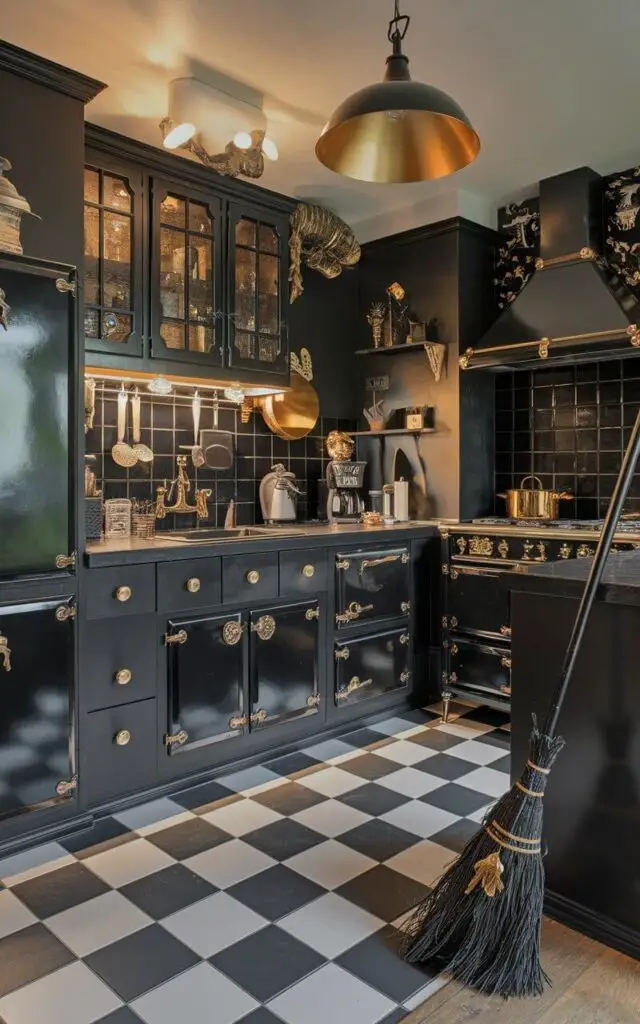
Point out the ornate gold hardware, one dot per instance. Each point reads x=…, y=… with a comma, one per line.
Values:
x=503, y=548
x=238, y=721
x=355, y=683
x=444, y=533
x=181, y=485
x=543, y=348
x=454, y=649
x=404, y=639
x=584, y=551
x=180, y=637
x=123, y=594
x=67, y=786
x=586, y=253
x=505, y=630
x=66, y=561
x=565, y=550
x=312, y=613
x=526, y=548
x=454, y=574
x=405, y=606
x=404, y=557
x=123, y=676
x=354, y=611
x=5, y=653
x=232, y=632
x=122, y=737
x=258, y=716
x=313, y=700
x=461, y=545
x=505, y=662
x=539, y=264
x=453, y=621
x=177, y=739
x=343, y=563
x=66, y=286
x=633, y=330
x=342, y=654
x=369, y=563
x=64, y=612
x=308, y=571
x=481, y=546
x=466, y=358
x=193, y=585
x=265, y=627
x=405, y=676
x=445, y=569
x=253, y=576
x=445, y=622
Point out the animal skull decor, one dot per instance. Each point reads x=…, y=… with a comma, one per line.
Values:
x=322, y=241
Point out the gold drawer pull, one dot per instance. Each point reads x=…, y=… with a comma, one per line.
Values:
x=308, y=571
x=355, y=683
x=180, y=637
x=253, y=576
x=123, y=594
x=354, y=611
x=342, y=654
x=122, y=737
x=5, y=653
x=123, y=676
x=193, y=585
x=313, y=700
x=177, y=739
x=232, y=632
x=343, y=563
x=505, y=630
x=312, y=613
x=265, y=627
x=505, y=662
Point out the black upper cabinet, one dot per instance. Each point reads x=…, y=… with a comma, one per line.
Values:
x=113, y=258
x=36, y=417
x=187, y=315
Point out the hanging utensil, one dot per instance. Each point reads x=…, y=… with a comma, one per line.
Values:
x=142, y=452
x=197, y=454
x=89, y=403
x=122, y=453
x=294, y=414
x=217, y=444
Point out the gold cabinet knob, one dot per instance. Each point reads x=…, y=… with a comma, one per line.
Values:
x=123, y=594
x=193, y=585
x=253, y=576
x=122, y=737
x=308, y=571
x=123, y=676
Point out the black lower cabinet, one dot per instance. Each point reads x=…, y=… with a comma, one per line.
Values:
x=284, y=660
x=37, y=671
x=479, y=668
x=372, y=666
x=118, y=751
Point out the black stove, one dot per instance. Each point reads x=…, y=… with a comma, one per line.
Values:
x=594, y=525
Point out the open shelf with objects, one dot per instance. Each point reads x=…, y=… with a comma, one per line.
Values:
x=407, y=346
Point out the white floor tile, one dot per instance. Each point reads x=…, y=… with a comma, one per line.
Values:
x=213, y=924
x=420, y=819
x=331, y=818
x=465, y=728
x=424, y=862
x=479, y=814
x=405, y=753
x=485, y=780
x=477, y=753
x=251, y=780
x=97, y=923
x=411, y=782
x=73, y=995
x=391, y=726
x=332, y=781
x=425, y=993
x=331, y=925
x=13, y=914
x=30, y=863
x=201, y=994
x=330, y=864
x=331, y=994
x=151, y=813
x=229, y=863
x=328, y=749
x=128, y=862
x=241, y=817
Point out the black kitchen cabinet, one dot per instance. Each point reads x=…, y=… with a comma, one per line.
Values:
x=284, y=657
x=372, y=584
x=372, y=666
x=37, y=757
x=37, y=465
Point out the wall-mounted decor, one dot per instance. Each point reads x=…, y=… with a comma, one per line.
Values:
x=322, y=241
x=12, y=206
x=517, y=257
x=621, y=208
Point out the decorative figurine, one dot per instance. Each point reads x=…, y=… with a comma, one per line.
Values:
x=375, y=319
x=181, y=485
x=12, y=206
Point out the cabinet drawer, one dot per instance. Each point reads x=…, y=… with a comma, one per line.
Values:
x=480, y=668
x=193, y=584
x=250, y=577
x=479, y=600
x=123, y=590
x=372, y=666
x=118, y=662
x=303, y=572
x=372, y=584
x=118, y=748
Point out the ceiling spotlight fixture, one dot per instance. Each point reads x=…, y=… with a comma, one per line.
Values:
x=397, y=130
x=269, y=148
x=178, y=135
x=242, y=140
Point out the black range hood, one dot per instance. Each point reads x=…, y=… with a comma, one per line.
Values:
x=574, y=308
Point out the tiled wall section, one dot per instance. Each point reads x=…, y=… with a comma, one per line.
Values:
x=568, y=425
x=167, y=424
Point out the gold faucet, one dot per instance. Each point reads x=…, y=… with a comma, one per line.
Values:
x=182, y=486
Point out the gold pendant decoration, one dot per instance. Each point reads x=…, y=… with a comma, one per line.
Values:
x=488, y=873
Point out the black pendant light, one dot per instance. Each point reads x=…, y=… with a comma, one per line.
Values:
x=397, y=130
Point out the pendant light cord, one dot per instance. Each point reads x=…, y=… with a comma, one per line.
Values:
x=398, y=25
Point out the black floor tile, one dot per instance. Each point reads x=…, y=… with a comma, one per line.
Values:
x=167, y=891
x=276, y=892
x=283, y=839
x=291, y=763
x=60, y=890
x=456, y=799
x=261, y=1016
x=141, y=961
x=201, y=796
x=189, y=838
x=420, y=716
x=28, y=955
x=496, y=738
x=362, y=738
x=106, y=834
x=378, y=962
x=502, y=765
x=289, y=798
x=447, y=767
x=383, y=892
x=436, y=740
x=487, y=716
x=125, y=1015
x=373, y=799
x=267, y=962
x=378, y=839
x=370, y=766
x=456, y=836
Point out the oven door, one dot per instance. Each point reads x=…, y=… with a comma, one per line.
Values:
x=479, y=600
x=372, y=585
x=480, y=669
x=372, y=666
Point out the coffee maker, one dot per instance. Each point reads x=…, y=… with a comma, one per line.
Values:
x=344, y=480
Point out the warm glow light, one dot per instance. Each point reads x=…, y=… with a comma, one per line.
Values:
x=179, y=135
x=242, y=140
x=269, y=148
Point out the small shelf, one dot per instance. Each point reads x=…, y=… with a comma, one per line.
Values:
x=406, y=347
x=381, y=433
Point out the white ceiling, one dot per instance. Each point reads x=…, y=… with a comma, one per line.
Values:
x=549, y=84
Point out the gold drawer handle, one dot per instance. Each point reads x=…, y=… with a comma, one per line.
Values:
x=355, y=683
x=122, y=737
x=343, y=563
x=265, y=627
x=342, y=654
x=354, y=611
x=253, y=576
x=313, y=700
x=238, y=721
x=5, y=653
x=123, y=676
x=369, y=563
x=123, y=594
x=193, y=585
x=312, y=613
x=453, y=650
x=180, y=637
x=308, y=571
x=505, y=630
x=177, y=739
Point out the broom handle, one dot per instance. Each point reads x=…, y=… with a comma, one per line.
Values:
x=595, y=575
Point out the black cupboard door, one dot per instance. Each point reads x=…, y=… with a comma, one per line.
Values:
x=257, y=284
x=36, y=417
x=206, y=659
x=480, y=668
x=372, y=585
x=37, y=759
x=187, y=316
x=372, y=666
x=284, y=653
x=478, y=600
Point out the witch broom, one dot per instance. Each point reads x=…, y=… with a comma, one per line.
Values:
x=481, y=922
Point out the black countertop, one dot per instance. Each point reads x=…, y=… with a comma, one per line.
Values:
x=620, y=582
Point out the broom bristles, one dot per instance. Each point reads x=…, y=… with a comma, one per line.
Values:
x=492, y=942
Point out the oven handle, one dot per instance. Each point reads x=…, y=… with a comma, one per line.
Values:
x=472, y=570
x=368, y=563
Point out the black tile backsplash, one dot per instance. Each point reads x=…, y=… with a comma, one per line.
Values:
x=166, y=423
x=569, y=426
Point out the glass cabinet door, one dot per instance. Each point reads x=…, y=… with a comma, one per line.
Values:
x=112, y=261
x=186, y=321
x=258, y=272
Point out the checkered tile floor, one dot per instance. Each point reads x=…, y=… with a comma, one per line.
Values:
x=272, y=896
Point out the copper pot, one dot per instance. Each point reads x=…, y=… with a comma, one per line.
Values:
x=533, y=503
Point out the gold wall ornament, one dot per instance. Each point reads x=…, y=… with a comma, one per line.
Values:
x=322, y=241
x=234, y=162
x=375, y=319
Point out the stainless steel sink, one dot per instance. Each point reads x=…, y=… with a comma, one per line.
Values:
x=209, y=534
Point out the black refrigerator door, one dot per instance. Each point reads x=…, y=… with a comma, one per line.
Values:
x=284, y=663
x=36, y=682
x=36, y=418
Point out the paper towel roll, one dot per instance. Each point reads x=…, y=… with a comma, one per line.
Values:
x=401, y=500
